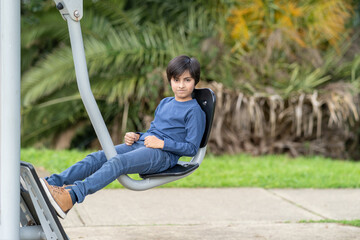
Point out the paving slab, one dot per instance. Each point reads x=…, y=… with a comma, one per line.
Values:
x=185, y=206
x=244, y=231
x=339, y=204
x=73, y=219
x=206, y=213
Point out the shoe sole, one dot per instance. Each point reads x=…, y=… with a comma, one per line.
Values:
x=57, y=208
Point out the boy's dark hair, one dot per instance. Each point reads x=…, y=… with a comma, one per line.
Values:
x=180, y=64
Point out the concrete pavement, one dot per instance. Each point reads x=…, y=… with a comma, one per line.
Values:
x=208, y=213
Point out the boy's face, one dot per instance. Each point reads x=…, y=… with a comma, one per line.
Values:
x=183, y=86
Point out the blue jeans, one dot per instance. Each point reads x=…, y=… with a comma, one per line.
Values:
x=94, y=172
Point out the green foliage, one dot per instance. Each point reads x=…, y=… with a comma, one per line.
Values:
x=291, y=48
x=127, y=45
x=273, y=171
x=287, y=48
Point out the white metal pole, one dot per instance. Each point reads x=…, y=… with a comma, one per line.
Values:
x=10, y=119
x=83, y=82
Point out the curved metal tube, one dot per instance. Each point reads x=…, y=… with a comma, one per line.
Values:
x=83, y=83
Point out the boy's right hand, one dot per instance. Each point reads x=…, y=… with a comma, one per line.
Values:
x=130, y=138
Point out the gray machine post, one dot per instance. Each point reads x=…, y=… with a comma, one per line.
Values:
x=11, y=217
x=72, y=12
x=10, y=119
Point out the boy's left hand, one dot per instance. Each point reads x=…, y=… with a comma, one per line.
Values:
x=153, y=142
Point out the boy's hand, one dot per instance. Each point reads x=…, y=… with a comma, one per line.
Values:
x=130, y=138
x=153, y=142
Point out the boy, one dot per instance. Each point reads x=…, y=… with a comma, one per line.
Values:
x=176, y=131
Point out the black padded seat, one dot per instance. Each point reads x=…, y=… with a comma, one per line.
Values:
x=178, y=170
x=206, y=99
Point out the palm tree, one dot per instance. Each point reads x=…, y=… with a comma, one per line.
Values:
x=127, y=44
x=285, y=72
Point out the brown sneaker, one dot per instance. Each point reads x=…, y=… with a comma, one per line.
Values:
x=59, y=197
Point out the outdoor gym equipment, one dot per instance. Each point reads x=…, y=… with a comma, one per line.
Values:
x=72, y=12
x=37, y=216
x=38, y=220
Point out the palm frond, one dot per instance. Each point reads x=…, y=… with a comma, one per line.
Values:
x=50, y=75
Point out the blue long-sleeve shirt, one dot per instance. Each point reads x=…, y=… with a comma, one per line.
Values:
x=180, y=124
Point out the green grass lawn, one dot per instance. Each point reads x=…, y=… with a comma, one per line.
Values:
x=272, y=171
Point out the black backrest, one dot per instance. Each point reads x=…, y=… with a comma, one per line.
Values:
x=206, y=99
